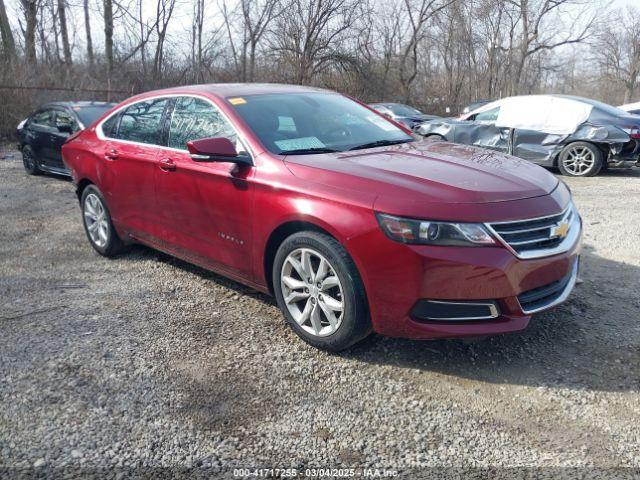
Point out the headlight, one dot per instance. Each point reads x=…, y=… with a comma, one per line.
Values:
x=407, y=230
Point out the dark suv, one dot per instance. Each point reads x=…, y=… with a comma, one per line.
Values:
x=41, y=135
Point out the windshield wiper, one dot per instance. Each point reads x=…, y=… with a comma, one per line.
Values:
x=379, y=143
x=302, y=151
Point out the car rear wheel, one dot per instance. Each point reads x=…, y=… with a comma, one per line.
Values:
x=97, y=223
x=319, y=290
x=29, y=161
x=580, y=159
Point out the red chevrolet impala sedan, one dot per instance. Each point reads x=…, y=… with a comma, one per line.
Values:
x=353, y=224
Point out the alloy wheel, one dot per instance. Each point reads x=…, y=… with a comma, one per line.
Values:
x=579, y=160
x=312, y=292
x=95, y=219
x=28, y=160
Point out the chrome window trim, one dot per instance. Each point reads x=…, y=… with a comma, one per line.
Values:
x=492, y=309
x=100, y=133
x=575, y=229
x=565, y=293
x=72, y=114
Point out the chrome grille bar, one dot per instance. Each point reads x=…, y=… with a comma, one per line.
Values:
x=541, y=236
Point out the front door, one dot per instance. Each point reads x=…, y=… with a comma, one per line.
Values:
x=484, y=133
x=131, y=150
x=206, y=207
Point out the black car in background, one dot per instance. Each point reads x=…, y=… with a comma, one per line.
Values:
x=404, y=114
x=41, y=135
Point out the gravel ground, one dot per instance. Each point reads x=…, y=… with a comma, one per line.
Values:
x=145, y=361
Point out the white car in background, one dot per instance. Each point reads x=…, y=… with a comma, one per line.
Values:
x=633, y=108
x=578, y=135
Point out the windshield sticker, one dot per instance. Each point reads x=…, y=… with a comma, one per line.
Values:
x=382, y=123
x=237, y=101
x=301, y=143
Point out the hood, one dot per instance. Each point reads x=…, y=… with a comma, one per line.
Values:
x=427, y=171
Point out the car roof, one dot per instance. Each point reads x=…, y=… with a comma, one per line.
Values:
x=236, y=89
x=80, y=104
x=575, y=98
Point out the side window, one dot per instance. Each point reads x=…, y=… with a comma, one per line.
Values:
x=109, y=127
x=43, y=118
x=141, y=122
x=488, y=115
x=193, y=119
x=66, y=122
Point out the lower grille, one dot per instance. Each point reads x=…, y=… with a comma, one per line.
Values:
x=549, y=295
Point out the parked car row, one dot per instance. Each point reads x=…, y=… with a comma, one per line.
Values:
x=350, y=220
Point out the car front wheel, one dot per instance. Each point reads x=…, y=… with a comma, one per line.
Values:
x=97, y=223
x=580, y=159
x=319, y=290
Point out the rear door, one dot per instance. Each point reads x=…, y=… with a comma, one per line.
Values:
x=133, y=140
x=205, y=207
x=40, y=130
x=535, y=146
x=65, y=125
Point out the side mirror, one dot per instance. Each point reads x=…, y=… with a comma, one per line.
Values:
x=218, y=149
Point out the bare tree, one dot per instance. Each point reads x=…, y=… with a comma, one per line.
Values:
x=311, y=36
x=87, y=30
x=197, y=47
x=8, y=43
x=30, y=10
x=541, y=28
x=108, y=36
x=64, y=33
x=617, y=50
x=164, y=12
x=418, y=13
x=256, y=18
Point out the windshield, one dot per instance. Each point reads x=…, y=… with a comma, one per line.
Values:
x=307, y=123
x=88, y=115
x=403, y=110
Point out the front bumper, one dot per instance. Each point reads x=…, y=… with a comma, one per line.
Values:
x=405, y=275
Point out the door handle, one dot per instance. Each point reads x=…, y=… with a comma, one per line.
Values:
x=167, y=165
x=111, y=154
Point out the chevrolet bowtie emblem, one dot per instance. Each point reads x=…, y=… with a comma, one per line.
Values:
x=560, y=230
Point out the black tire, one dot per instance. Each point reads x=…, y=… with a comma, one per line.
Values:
x=30, y=161
x=113, y=244
x=570, y=167
x=355, y=324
